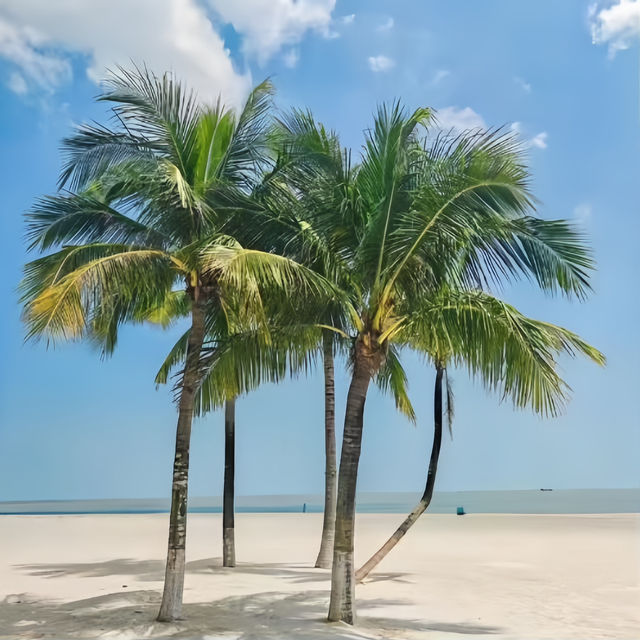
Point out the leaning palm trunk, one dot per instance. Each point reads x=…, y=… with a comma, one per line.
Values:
x=228, y=522
x=421, y=507
x=341, y=606
x=171, y=606
x=325, y=554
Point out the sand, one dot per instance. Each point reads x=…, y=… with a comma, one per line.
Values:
x=499, y=576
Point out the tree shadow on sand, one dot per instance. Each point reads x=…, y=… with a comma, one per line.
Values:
x=256, y=616
x=153, y=570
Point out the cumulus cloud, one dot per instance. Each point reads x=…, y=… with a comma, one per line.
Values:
x=380, y=63
x=387, y=25
x=348, y=19
x=39, y=37
x=616, y=24
x=459, y=119
x=269, y=25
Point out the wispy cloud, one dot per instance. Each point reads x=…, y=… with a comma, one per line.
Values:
x=539, y=141
x=348, y=19
x=387, y=25
x=17, y=83
x=525, y=86
x=381, y=63
x=582, y=213
x=290, y=58
x=458, y=120
x=39, y=65
x=617, y=24
x=440, y=75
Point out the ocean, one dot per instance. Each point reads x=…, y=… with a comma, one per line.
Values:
x=524, y=501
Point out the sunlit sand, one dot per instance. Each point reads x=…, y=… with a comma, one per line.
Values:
x=499, y=576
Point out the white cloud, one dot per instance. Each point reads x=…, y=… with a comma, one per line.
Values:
x=582, y=213
x=440, y=75
x=539, y=141
x=525, y=86
x=269, y=25
x=348, y=19
x=459, y=119
x=387, y=25
x=616, y=25
x=17, y=83
x=19, y=45
x=381, y=63
x=291, y=58
x=40, y=37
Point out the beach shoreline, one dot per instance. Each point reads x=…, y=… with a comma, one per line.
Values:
x=504, y=575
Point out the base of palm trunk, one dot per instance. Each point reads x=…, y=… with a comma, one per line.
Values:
x=341, y=607
x=325, y=555
x=171, y=606
x=228, y=548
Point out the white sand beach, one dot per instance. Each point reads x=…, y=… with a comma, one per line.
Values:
x=499, y=576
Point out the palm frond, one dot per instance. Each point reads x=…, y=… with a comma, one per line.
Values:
x=392, y=379
x=84, y=218
x=249, y=276
x=63, y=306
x=508, y=351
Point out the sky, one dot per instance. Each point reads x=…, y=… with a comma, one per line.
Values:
x=563, y=75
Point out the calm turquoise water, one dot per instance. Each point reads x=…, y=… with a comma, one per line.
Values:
x=530, y=501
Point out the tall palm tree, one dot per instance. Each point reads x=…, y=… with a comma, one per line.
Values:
x=456, y=326
x=145, y=215
x=410, y=218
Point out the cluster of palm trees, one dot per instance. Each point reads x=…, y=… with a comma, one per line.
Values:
x=281, y=251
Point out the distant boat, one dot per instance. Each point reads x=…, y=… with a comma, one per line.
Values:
x=546, y=489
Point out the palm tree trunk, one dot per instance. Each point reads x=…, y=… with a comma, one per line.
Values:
x=325, y=554
x=171, y=606
x=228, y=523
x=421, y=507
x=342, y=604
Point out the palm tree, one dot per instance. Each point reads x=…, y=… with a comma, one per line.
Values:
x=145, y=216
x=460, y=321
x=412, y=217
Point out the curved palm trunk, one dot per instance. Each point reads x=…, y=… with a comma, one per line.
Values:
x=325, y=554
x=171, y=606
x=342, y=605
x=228, y=523
x=421, y=507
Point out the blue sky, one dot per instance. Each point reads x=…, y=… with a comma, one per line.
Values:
x=563, y=74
